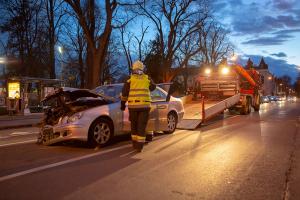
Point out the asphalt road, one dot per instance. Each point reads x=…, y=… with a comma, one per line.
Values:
x=232, y=157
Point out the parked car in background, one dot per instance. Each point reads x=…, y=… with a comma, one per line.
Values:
x=272, y=98
x=265, y=99
x=279, y=98
x=95, y=116
x=292, y=98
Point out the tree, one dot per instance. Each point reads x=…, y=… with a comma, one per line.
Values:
x=126, y=45
x=54, y=13
x=76, y=44
x=153, y=60
x=215, y=44
x=27, y=35
x=174, y=21
x=132, y=44
x=97, y=28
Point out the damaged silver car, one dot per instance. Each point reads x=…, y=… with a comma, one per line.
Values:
x=80, y=114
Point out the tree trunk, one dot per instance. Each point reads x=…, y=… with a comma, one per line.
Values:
x=96, y=72
x=81, y=69
x=89, y=67
x=52, y=39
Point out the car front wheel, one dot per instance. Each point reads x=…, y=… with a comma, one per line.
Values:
x=172, y=123
x=100, y=132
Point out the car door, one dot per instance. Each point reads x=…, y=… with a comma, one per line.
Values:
x=152, y=122
x=157, y=116
x=160, y=104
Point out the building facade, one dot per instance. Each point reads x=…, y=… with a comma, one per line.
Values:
x=267, y=78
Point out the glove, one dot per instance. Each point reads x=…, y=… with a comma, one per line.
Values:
x=123, y=106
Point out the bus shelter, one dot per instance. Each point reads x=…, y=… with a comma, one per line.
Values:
x=23, y=94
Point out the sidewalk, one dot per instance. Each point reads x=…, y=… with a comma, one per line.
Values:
x=17, y=121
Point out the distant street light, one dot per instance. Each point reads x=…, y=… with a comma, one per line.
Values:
x=234, y=58
x=61, y=52
x=60, y=49
x=270, y=77
x=3, y=60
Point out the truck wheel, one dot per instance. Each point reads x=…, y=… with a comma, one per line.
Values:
x=246, y=109
x=257, y=107
x=257, y=104
x=249, y=105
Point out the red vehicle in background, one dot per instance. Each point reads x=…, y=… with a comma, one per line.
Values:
x=227, y=81
x=218, y=89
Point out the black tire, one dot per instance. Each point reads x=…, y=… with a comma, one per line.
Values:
x=247, y=108
x=100, y=132
x=172, y=122
x=257, y=104
x=257, y=107
x=231, y=110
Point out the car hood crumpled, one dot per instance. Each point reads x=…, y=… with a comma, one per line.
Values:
x=72, y=93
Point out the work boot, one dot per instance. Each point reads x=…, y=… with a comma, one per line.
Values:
x=134, y=143
x=149, y=138
x=139, y=146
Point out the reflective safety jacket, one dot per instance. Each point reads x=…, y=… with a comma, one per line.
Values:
x=136, y=91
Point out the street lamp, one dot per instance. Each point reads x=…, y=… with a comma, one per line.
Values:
x=61, y=52
x=233, y=59
x=60, y=49
x=2, y=60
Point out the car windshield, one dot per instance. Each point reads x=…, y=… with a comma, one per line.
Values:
x=110, y=91
x=115, y=91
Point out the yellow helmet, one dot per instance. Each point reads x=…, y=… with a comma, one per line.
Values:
x=138, y=65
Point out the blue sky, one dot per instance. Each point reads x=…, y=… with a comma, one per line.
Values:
x=268, y=28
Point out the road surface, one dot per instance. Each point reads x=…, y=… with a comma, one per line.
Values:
x=232, y=157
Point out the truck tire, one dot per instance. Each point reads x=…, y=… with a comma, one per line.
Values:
x=249, y=100
x=246, y=109
x=257, y=104
x=256, y=107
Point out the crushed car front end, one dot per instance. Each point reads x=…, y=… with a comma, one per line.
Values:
x=65, y=118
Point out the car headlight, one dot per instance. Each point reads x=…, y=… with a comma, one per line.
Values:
x=75, y=117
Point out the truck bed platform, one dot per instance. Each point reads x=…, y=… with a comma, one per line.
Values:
x=194, y=114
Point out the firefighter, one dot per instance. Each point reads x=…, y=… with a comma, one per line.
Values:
x=136, y=91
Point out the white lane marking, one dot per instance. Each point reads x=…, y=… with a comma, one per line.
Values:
x=41, y=168
x=23, y=133
x=14, y=143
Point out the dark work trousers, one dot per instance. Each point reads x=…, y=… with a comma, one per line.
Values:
x=139, y=119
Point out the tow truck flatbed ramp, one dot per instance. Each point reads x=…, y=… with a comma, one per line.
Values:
x=192, y=116
x=193, y=111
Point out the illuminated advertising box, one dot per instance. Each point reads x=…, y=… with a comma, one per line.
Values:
x=14, y=90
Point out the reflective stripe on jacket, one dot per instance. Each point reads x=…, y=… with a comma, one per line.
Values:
x=139, y=93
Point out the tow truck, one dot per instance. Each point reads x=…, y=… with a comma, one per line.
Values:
x=226, y=87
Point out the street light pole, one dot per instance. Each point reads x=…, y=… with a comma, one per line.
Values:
x=3, y=61
x=61, y=51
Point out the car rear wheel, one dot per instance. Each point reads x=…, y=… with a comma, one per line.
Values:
x=100, y=132
x=172, y=123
